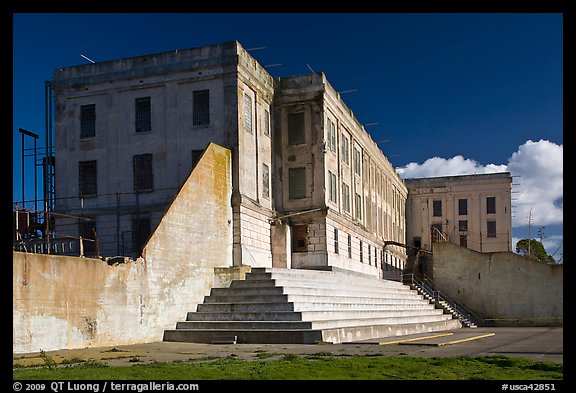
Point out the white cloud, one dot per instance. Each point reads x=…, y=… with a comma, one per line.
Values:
x=539, y=170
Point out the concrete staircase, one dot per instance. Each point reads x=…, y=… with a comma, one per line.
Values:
x=306, y=306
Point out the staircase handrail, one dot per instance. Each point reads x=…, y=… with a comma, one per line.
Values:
x=438, y=296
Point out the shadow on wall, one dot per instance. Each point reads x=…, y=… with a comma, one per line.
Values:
x=64, y=302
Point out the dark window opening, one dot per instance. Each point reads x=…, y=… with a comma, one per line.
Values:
x=361, y=251
x=490, y=205
x=87, y=230
x=296, y=183
x=463, y=225
x=143, y=114
x=296, y=128
x=87, y=177
x=436, y=208
x=143, y=176
x=300, y=238
x=462, y=207
x=196, y=155
x=140, y=233
x=201, y=108
x=336, y=248
x=417, y=242
x=266, y=122
x=349, y=246
x=464, y=241
x=491, y=228
x=87, y=121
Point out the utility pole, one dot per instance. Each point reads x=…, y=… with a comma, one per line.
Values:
x=541, y=233
x=529, y=222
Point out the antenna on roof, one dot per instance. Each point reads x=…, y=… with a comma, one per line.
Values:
x=90, y=60
x=308, y=65
x=258, y=48
x=271, y=65
x=347, y=91
x=370, y=124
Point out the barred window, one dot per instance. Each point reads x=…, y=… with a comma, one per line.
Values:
x=361, y=251
x=346, y=197
x=248, y=113
x=331, y=135
x=491, y=228
x=358, y=206
x=296, y=183
x=357, y=161
x=87, y=178
x=462, y=207
x=437, y=208
x=336, y=248
x=490, y=205
x=345, y=150
x=333, y=189
x=87, y=121
x=201, y=108
x=143, y=175
x=265, y=181
x=266, y=122
x=349, y=246
x=143, y=114
x=296, y=128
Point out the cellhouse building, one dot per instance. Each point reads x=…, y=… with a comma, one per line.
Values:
x=310, y=188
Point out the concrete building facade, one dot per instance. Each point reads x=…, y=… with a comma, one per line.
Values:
x=473, y=211
x=310, y=189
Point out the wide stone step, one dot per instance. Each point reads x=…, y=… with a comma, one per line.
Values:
x=398, y=304
x=319, y=291
x=305, y=336
x=321, y=324
x=294, y=282
x=260, y=277
x=307, y=315
x=305, y=298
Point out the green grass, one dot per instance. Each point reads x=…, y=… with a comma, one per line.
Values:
x=320, y=366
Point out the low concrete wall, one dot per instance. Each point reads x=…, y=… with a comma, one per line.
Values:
x=506, y=288
x=69, y=302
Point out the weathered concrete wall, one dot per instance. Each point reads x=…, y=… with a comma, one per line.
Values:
x=69, y=302
x=503, y=286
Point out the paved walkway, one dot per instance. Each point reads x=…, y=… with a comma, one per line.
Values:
x=536, y=343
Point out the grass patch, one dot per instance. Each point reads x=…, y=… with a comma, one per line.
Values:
x=293, y=367
x=264, y=355
x=114, y=350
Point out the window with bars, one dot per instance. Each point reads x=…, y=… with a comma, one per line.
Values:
x=369, y=254
x=265, y=181
x=491, y=228
x=266, y=122
x=143, y=114
x=201, y=108
x=143, y=175
x=296, y=128
x=140, y=233
x=336, y=247
x=87, y=121
x=436, y=208
x=346, y=197
x=248, y=113
x=87, y=230
x=345, y=149
x=462, y=207
x=333, y=189
x=361, y=251
x=87, y=179
x=357, y=161
x=349, y=246
x=491, y=205
x=296, y=183
x=358, y=206
x=331, y=136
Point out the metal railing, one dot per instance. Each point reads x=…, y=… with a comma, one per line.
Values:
x=466, y=316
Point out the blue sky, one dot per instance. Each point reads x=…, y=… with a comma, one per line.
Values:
x=450, y=93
